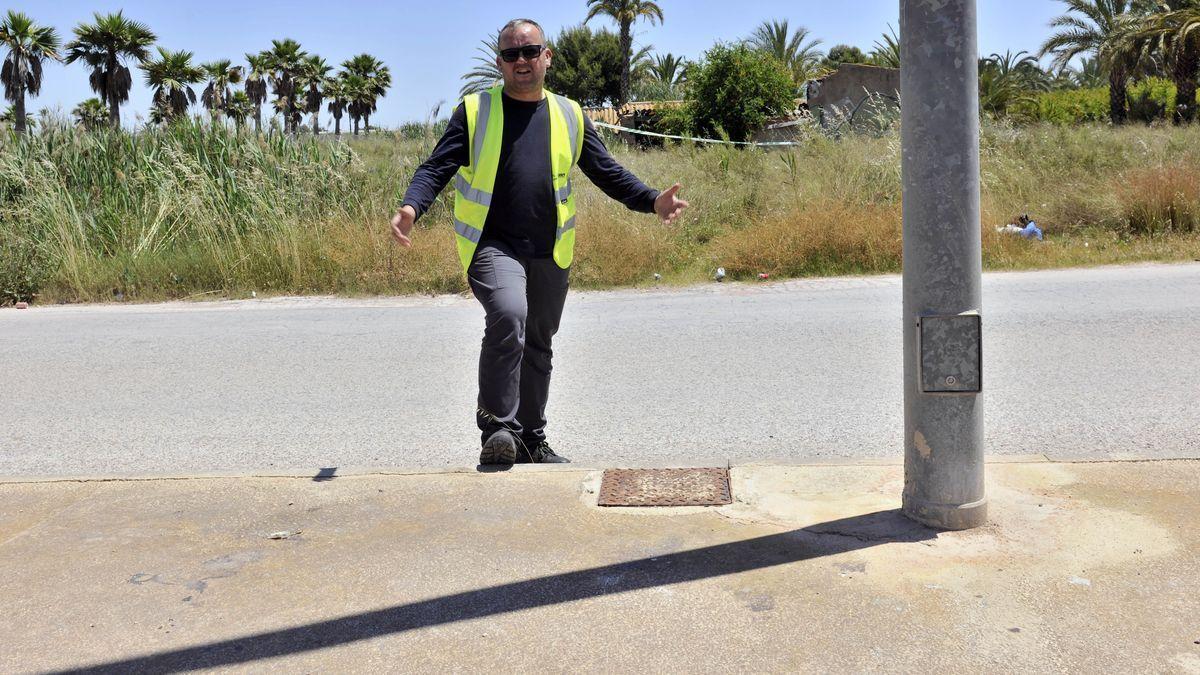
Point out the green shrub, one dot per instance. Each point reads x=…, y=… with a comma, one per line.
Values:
x=1068, y=106
x=24, y=268
x=736, y=88
x=675, y=120
x=1151, y=99
x=416, y=131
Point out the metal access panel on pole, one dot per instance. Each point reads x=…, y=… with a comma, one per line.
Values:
x=943, y=378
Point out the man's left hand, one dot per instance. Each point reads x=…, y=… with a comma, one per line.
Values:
x=668, y=206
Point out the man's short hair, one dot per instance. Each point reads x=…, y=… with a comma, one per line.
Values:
x=520, y=22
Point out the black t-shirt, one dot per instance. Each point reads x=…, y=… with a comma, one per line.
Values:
x=522, y=213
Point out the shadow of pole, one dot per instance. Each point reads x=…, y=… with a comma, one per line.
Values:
x=829, y=538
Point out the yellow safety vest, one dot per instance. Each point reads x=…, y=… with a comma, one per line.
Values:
x=474, y=183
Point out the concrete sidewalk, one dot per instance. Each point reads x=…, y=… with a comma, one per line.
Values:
x=1084, y=567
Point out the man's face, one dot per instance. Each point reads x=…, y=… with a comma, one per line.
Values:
x=524, y=75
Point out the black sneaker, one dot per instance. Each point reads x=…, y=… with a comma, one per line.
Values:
x=500, y=448
x=541, y=453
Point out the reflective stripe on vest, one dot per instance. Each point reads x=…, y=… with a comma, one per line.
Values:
x=465, y=230
x=475, y=183
x=474, y=194
x=569, y=225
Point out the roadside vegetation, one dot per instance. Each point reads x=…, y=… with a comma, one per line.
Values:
x=234, y=184
x=194, y=210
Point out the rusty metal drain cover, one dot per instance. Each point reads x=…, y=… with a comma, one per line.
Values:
x=665, y=487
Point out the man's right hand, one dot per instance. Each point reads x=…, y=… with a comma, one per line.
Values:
x=402, y=225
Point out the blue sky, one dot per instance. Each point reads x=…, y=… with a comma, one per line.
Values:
x=428, y=45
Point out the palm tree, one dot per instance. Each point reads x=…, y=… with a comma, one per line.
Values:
x=625, y=13
x=28, y=46
x=103, y=46
x=286, y=58
x=486, y=73
x=801, y=59
x=171, y=77
x=1100, y=28
x=256, y=84
x=220, y=75
x=239, y=107
x=887, y=52
x=358, y=97
x=1008, y=79
x=1088, y=74
x=312, y=79
x=335, y=93
x=668, y=68
x=9, y=118
x=378, y=79
x=640, y=64
x=91, y=114
x=1023, y=68
x=1174, y=31
x=288, y=111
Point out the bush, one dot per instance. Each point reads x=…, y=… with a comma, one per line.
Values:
x=737, y=89
x=1068, y=106
x=1150, y=99
x=24, y=267
x=675, y=120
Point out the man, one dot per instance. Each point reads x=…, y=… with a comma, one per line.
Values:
x=511, y=150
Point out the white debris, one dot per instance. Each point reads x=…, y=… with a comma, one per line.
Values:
x=285, y=534
x=720, y=274
x=1079, y=581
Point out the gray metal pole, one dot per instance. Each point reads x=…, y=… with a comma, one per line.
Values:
x=943, y=403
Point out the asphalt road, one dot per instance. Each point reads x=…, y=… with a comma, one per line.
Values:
x=1078, y=363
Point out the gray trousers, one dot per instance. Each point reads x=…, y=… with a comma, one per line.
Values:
x=523, y=301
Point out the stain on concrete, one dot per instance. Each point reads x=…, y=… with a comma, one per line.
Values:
x=755, y=601
x=233, y=561
x=144, y=578
x=922, y=445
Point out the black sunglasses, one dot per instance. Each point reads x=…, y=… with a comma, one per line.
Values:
x=530, y=52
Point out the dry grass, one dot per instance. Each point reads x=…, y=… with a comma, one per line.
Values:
x=823, y=237
x=1160, y=199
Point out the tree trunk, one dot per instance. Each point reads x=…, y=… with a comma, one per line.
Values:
x=19, y=108
x=337, y=125
x=1187, y=67
x=110, y=95
x=626, y=56
x=354, y=121
x=1117, y=111
x=367, y=124
x=316, y=123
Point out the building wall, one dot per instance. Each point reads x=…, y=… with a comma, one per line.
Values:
x=846, y=88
